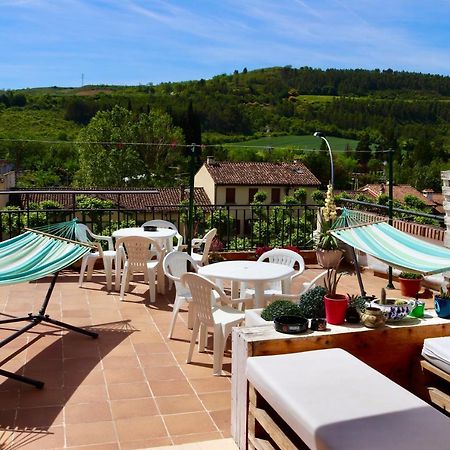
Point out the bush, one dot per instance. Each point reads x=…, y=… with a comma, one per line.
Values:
x=281, y=308
x=410, y=275
x=311, y=303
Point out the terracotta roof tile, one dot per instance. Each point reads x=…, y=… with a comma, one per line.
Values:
x=261, y=173
x=399, y=192
x=164, y=198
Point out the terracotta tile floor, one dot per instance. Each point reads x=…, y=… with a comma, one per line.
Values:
x=128, y=389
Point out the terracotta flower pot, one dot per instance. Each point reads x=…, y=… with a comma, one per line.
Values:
x=328, y=259
x=409, y=287
x=335, y=308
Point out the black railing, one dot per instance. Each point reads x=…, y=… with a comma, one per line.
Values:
x=240, y=227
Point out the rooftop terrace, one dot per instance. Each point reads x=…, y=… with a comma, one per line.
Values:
x=128, y=389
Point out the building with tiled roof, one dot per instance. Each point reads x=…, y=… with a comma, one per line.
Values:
x=228, y=183
x=400, y=191
x=166, y=198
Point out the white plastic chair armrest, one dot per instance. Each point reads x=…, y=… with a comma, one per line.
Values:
x=104, y=238
x=196, y=242
x=296, y=274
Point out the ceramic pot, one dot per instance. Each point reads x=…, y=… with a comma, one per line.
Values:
x=335, y=308
x=318, y=324
x=352, y=315
x=409, y=287
x=373, y=317
x=328, y=259
x=442, y=307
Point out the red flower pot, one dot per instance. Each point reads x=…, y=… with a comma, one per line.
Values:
x=335, y=308
x=409, y=287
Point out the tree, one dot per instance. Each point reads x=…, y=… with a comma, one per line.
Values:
x=117, y=149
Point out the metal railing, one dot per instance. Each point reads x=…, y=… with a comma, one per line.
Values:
x=240, y=227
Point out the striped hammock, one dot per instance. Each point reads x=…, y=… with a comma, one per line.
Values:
x=396, y=248
x=41, y=252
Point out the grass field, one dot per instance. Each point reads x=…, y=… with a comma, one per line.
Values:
x=302, y=142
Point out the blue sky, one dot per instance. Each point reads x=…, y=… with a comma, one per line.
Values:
x=129, y=42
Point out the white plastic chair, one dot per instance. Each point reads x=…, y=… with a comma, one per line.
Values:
x=84, y=234
x=202, y=258
x=141, y=255
x=175, y=264
x=166, y=224
x=318, y=280
x=279, y=256
x=221, y=318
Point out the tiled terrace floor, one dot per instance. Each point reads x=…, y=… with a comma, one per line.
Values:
x=128, y=389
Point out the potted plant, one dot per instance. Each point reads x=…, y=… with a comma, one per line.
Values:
x=442, y=303
x=356, y=306
x=281, y=308
x=313, y=307
x=410, y=283
x=328, y=253
x=335, y=304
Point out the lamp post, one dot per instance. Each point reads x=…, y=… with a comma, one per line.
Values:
x=320, y=135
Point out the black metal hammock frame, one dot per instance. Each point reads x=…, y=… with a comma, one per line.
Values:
x=34, y=255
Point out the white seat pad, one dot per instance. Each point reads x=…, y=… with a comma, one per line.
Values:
x=332, y=400
x=437, y=352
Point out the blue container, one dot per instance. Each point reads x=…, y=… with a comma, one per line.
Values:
x=442, y=306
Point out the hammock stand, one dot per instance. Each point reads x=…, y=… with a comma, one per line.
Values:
x=41, y=316
x=392, y=246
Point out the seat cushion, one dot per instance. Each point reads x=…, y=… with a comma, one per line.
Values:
x=332, y=400
x=437, y=352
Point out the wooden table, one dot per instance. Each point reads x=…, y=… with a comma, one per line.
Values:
x=393, y=350
x=258, y=273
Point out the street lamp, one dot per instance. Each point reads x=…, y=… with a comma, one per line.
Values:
x=320, y=135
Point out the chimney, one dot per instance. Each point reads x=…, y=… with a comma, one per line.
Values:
x=428, y=193
x=210, y=160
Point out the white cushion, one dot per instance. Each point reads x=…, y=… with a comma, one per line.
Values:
x=332, y=400
x=437, y=352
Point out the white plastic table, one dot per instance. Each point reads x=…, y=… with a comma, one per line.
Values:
x=162, y=235
x=258, y=273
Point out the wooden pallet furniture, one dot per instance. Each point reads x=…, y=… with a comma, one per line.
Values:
x=330, y=399
x=393, y=350
x=436, y=367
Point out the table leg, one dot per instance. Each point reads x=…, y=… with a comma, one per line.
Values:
x=259, y=294
x=234, y=289
x=286, y=286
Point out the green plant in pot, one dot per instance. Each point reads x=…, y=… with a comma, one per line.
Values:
x=335, y=304
x=356, y=306
x=281, y=308
x=311, y=303
x=410, y=283
x=442, y=303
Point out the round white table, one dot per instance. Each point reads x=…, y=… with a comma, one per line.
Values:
x=162, y=235
x=258, y=273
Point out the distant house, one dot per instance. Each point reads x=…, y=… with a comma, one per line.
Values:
x=157, y=203
x=236, y=183
x=399, y=191
x=7, y=180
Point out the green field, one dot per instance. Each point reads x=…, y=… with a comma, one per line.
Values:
x=300, y=142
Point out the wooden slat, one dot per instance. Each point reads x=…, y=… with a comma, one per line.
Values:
x=433, y=369
x=439, y=398
x=259, y=444
x=271, y=428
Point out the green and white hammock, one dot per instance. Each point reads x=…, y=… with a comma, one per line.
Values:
x=392, y=246
x=33, y=255
x=41, y=252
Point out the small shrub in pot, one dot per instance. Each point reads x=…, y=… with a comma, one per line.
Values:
x=281, y=308
x=311, y=303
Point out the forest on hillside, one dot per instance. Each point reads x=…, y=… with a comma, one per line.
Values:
x=381, y=109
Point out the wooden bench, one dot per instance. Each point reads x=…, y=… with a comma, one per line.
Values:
x=329, y=399
x=436, y=365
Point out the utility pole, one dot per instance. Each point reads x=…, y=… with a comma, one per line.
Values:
x=191, y=198
x=390, y=285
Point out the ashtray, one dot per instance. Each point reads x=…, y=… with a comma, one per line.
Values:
x=150, y=228
x=291, y=324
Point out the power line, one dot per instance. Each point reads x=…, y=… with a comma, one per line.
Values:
x=174, y=145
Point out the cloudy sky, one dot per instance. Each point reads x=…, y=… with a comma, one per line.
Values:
x=129, y=42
